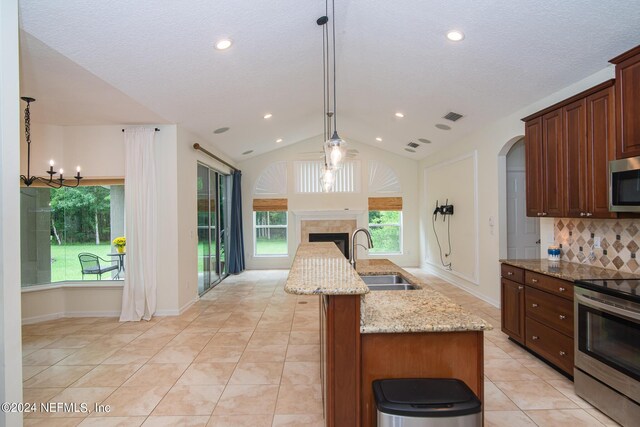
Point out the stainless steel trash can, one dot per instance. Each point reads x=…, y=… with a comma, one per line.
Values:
x=426, y=402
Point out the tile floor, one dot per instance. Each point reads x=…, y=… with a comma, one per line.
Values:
x=247, y=354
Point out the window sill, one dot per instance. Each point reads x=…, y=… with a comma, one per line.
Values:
x=102, y=284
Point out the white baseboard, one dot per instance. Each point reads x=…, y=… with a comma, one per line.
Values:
x=42, y=318
x=460, y=283
x=178, y=311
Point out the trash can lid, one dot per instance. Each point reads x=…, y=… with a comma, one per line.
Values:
x=425, y=397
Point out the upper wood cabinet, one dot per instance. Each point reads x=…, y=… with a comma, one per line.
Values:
x=628, y=103
x=553, y=167
x=534, y=166
x=601, y=135
x=543, y=148
x=569, y=146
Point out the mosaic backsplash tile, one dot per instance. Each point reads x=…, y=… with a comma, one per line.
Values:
x=619, y=241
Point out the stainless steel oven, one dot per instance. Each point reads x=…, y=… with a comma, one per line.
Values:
x=607, y=347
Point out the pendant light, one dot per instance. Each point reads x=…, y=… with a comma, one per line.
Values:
x=52, y=182
x=333, y=147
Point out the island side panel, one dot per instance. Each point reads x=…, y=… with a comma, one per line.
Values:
x=343, y=360
x=420, y=355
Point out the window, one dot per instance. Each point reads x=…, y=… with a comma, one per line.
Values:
x=386, y=232
x=270, y=233
x=347, y=179
x=59, y=224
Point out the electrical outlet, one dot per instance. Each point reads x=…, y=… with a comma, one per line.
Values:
x=596, y=242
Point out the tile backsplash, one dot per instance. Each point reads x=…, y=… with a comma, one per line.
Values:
x=619, y=241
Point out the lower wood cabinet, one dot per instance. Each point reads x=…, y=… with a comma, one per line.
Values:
x=537, y=312
x=512, y=315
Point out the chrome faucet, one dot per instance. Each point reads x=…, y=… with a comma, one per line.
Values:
x=354, y=244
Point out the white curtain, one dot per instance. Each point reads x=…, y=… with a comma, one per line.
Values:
x=139, y=293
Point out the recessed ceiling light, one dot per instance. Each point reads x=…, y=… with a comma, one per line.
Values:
x=424, y=140
x=379, y=139
x=279, y=140
x=247, y=152
x=443, y=127
x=411, y=150
x=268, y=116
x=221, y=130
x=455, y=35
x=223, y=44
x=399, y=114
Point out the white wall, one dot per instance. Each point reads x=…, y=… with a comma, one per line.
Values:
x=75, y=300
x=491, y=144
x=406, y=169
x=10, y=332
x=455, y=182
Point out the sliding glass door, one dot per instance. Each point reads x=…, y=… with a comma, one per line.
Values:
x=213, y=194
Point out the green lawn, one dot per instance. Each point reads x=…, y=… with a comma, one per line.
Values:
x=271, y=247
x=66, y=266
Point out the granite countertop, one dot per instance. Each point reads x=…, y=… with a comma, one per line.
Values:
x=321, y=269
x=421, y=310
x=570, y=271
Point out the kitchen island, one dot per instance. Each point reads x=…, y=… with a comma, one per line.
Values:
x=383, y=334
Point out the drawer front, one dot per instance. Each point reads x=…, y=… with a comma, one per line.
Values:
x=512, y=273
x=558, y=287
x=549, y=310
x=557, y=348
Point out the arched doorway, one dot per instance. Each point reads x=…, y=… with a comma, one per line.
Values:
x=522, y=233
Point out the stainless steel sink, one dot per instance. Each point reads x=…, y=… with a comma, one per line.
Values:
x=386, y=279
x=387, y=282
x=392, y=287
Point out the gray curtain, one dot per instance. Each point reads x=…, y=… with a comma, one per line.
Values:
x=236, y=236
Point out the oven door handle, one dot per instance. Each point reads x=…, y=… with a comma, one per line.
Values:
x=609, y=307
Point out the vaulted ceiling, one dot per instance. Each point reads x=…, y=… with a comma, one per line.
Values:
x=150, y=61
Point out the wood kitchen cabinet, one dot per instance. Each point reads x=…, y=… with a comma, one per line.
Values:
x=537, y=312
x=569, y=146
x=628, y=103
x=512, y=302
x=543, y=145
x=340, y=359
x=588, y=138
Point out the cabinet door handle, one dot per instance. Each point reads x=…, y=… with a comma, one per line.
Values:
x=582, y=214
x=561, y=289
x=539, y=213
x=534, y=337
x=562, y=353
x=509, y=273
x=534, y=280
x=534, y=305
x=562, y=317
x=589, y=214
x=545, y=213
x=520, y=287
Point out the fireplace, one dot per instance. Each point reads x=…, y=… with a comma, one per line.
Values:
x=340, y=239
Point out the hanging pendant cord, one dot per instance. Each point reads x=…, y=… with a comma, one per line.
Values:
x=333, y=26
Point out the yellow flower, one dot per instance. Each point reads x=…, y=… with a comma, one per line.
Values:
x=119, y=242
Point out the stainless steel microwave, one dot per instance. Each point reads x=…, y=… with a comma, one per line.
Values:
x=624, y=185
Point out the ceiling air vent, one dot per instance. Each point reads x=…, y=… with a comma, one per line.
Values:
x=413, y=145
x=452, y=116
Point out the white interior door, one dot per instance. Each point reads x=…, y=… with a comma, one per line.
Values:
x=523, y=233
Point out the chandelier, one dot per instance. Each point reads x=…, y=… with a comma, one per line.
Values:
x=333, y=147
x=51, y=181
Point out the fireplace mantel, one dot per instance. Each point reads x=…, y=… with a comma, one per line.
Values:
x=328, y=214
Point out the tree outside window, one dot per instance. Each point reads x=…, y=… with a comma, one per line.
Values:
x=386, y=232
x=270, y=233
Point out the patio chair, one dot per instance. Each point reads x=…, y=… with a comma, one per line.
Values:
x=90, y=264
